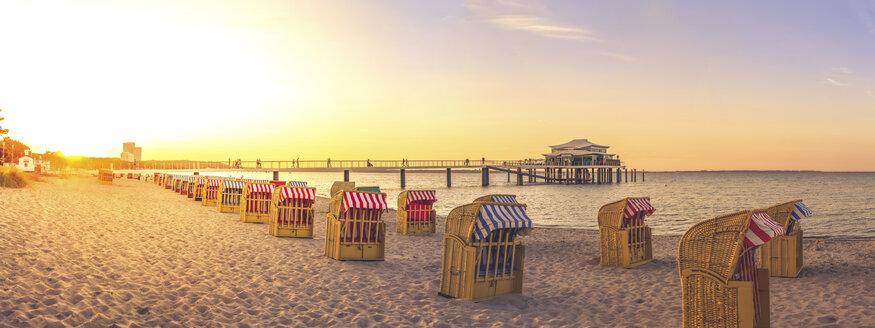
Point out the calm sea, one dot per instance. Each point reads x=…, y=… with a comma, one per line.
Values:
x=843, y=203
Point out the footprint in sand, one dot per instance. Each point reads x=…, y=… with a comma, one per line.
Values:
x=827, y=319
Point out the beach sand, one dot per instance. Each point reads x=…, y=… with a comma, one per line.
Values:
x=73, y=252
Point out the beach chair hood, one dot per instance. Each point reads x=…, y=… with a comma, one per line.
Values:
x=296, y=184
x=495, y=216
x=228, y=185
x=287, y=192
x=364, y=200
x=421, y=196
x=259, y=188
x=761, y=229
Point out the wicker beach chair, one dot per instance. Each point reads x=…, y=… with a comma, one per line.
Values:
x=211, y=188
x=255, y=201
x=721, y=284
x=355, y=229
x=291, y=212
x=177, y=183
x=783, y=254
x=498, y=198
x=187, y=186
x=625, y=239
x=168, y=181
x=482, y=257
x=415, y=213
x=155, y=178
x=104, y=176
x=229, y=196
x=197, y=191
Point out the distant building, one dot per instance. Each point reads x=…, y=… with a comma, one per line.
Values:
x=26, y=163
x=580, y=152
x=131, y=153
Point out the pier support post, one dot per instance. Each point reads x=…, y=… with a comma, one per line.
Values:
x=626, y=171
x=642, y=175
x=484, y=179
x=519, y=176
x=276, y=175
x=345, y=175
x=449, y=177
x=403, y=179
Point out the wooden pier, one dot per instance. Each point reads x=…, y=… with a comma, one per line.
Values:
x=523, y=171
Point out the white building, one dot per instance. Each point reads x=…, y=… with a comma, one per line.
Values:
x=580, y=152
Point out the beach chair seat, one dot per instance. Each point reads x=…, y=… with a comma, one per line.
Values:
x=230, y=194
x=482, y=256
x=625, y=241
x=415, y=215
x=721, y=284
x=782, y=255
x=255, y=201
x=355, y=229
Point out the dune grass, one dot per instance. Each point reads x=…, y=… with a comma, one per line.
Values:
x=11, y=177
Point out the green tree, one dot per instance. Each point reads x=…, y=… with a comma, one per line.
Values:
x=2, y=131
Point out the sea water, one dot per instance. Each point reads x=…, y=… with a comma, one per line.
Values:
x=843, y=203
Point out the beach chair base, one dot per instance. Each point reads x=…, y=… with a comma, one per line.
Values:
x=105, y=182
x=616, y=250
x=458, y=279
x=413, y=229
x=782, y=255
x=254, y=217
x=208, y=202
x=729, y=305
x=228, y=208
x=358, y=251
x=302, y=232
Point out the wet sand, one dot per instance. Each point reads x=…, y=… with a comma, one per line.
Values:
x=76, y=253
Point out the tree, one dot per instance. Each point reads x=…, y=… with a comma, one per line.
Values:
x=13, y=149
x=2, y=131
x=3, y=144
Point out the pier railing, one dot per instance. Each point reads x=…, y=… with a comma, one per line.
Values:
x=344, y=164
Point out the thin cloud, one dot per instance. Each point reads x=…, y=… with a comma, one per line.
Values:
x=527, y=17
x=543, y=27
x=843, y=70
x=834, y=82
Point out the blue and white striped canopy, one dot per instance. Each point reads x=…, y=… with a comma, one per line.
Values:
x=494, y=217
x=260, y=181
x=800, y=211
x=233, y=184
x=504, y=199
x=297, y=184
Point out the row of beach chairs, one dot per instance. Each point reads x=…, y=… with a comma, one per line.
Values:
x=724, y=262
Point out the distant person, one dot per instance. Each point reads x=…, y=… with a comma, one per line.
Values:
x=329, y=162
x=483, y=161
x=258, y=163
x=369, y=163
x=298, y=163
x=466, y=162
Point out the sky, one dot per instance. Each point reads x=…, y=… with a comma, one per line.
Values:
x=668, y=85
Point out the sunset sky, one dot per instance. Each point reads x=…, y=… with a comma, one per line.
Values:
x=669, y=85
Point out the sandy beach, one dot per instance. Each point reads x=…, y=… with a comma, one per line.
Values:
x=76, y=253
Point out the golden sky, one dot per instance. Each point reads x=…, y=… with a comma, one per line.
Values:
x=669, y=85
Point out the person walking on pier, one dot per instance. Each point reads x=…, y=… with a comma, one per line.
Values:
x=329, y=162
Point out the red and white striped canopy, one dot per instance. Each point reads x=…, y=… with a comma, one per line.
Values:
x=214, y=182
x=259, y=187
x=762, y=229
x=354, y=199
x=297, y=193
x=421, y=196
x=635, y=205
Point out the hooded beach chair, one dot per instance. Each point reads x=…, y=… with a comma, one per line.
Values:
x=188, y=186
x=625, y=239
x=104, y=176
x=168, y=181
x=497, y=198
x=156, y=177
x=482, y=257
x=255, y=201
x=211, y=188
x=783, y=254
x=177, y=183
x=229, y=196
x=197, y=190
x=355, y=229
x=415, y=213
x=291, y=212
x=721, y=284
